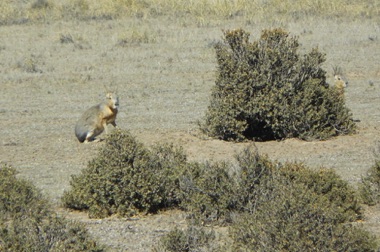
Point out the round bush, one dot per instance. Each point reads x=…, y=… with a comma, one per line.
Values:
x=295, y=218
x=27, y=223
x=126, y=178
x=266, y=90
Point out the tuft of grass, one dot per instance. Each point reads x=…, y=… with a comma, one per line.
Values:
x=136, y=37
x=66, y=38
x=29, y=64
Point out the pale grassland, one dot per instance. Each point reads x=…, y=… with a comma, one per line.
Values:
x=204, y=11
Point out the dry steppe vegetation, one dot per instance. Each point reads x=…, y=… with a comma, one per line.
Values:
x=56, y=57
x=204, y=12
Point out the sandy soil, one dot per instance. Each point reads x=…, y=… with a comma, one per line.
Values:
x=164, y=86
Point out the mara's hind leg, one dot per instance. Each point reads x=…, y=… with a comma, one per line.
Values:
x=90, y=137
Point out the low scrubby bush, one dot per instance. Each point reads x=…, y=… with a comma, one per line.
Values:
x=270, y=206
x=27, y=223
x=370, y=185
x=266, y=90
x=295, y=218
x=126, y=178
x=209, y=192
x=275, y=207
x=194, y=238
x=213, y=194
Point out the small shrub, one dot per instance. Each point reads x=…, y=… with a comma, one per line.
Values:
x=209, y=192
x=66, y=38
x=19, y=198
x=27, y=224
x=266, y=90
x=41, y=4
x=260, y=176
x=29, y=64
x=370, y=185
x=126, y=178
x=195, y=238
x=294, y=218
x=288, y=207
x=325, y=183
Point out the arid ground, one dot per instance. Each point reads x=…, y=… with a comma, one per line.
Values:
x=164, y=70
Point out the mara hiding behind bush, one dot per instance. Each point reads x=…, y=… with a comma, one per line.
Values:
x=266, y=90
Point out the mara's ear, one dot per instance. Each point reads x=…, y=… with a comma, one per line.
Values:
x=106, y=89
x=113, y=90
x=337, y=70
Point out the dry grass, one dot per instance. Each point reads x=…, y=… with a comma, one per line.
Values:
x=16, y=12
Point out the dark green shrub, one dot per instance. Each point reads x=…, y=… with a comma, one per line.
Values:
x=267, y=90
x=19, y=198
x=27, y=224
x=209, y=192
x=126, y=178
x=288, y=207
x=194, y=238
x=370, y=185
x=295, y=218
x=260, y=176
x=325, y=183
x=271, y=207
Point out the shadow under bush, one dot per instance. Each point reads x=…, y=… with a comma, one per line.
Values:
x=266, y=90
x=26, y=223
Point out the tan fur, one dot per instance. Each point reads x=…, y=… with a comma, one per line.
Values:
x=340, y=84
x=95, y=120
